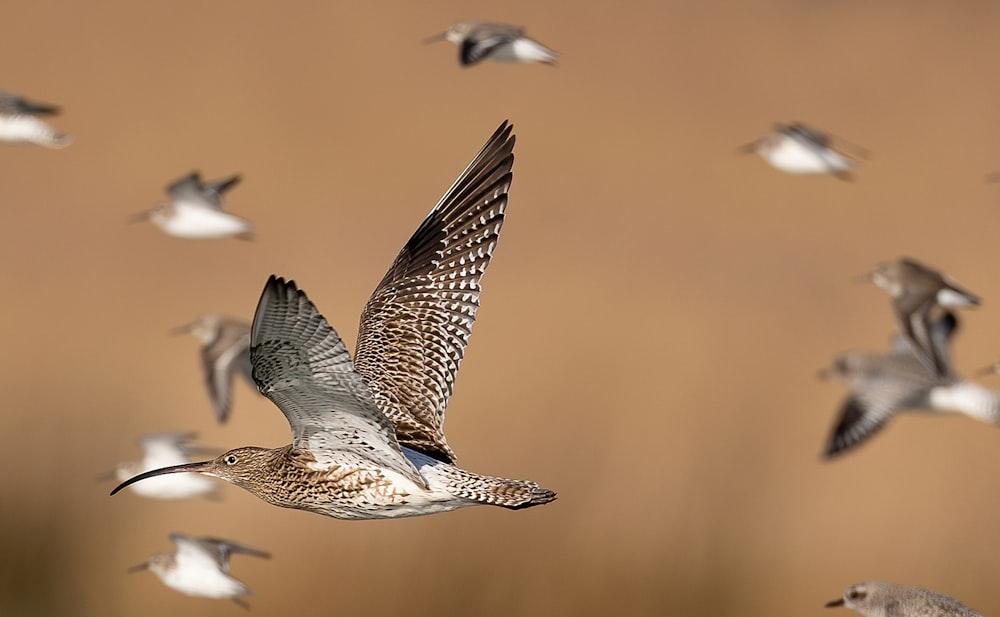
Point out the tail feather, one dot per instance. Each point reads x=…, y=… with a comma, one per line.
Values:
x=490, y=490
x=504, y=492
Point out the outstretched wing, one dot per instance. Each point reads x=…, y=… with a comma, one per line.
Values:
x=222, y=550
x=220, y=361
x=855, y=424
x=301, y=364
x=417, y=322
x=878, y=396
x=190, y=189
x=809, y=134
x=484, y=40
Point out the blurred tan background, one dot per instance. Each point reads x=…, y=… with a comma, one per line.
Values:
x=651, y=324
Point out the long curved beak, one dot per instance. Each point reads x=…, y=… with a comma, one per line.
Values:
x=437, y=37
x=138, y=568
x=833, y=603
x=199, y=467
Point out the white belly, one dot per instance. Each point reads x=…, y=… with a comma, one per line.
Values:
x=29, y=129
x=197, y=222
x=203, y=582
x=795, y=157
x=522, y=50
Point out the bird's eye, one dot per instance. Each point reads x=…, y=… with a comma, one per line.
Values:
x=231, y=459
x=855, y=594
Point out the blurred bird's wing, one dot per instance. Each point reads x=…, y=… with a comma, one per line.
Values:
x=230, y=353
x=926, y=338
x=797, y=129
x=13, y=104
x=416, y=325
x=855, y=424
x=190, y=190
x=484, y=40
x=892, y=385
x=214, y=190
x=300, y=363
x=223, y=549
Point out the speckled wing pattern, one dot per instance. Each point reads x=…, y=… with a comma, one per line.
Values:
x=417, y=323
x=483, y=40
x=300, y=363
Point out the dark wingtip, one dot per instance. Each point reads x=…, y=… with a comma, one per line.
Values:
x=276, y=289
x=831, y=451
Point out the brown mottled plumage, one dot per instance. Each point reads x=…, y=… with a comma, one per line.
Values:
x=875, y=599
x=368, y=439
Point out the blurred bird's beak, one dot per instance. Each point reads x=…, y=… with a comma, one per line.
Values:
x=435, y=38
x=749, y=148
x=141, y=217
x=989, y=370
x=824, y=373
x=138, y=568
x=833, y=603
x=199, y=467
x=182, y=329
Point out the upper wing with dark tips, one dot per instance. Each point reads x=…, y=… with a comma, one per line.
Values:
x=221, y=186
x=926, y=338
x=219, y=362
x=13, y=104
x=35, y=108
x=417, y=323
x=300, y=363
x=472, y=51
x=856, y=423
x=187, y=188
x=875, y=400
x=482, y=41
x=222, y=550
x=817, y=137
